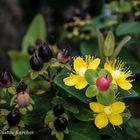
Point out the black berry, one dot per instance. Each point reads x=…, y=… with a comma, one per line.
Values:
x=31, y=50
x=13, y=118
x=45, y=53
x=70, y=28
x=58, y=110
x=6, y=78
x=87, y=32
x=52, y=40
x=36, y=63
x=60, y=124
x=21, y=87
x=8, y=135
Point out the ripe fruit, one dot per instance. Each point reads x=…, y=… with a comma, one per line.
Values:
x=31, y=50
x=23, y=99
x=60, y=124
x=6, y=79
x=21, y=87
x=13, y=118
x=8, y=135
x=45, y=53
x=36, y=63
x=58, y=110
x=63, y=56
x=103, y=82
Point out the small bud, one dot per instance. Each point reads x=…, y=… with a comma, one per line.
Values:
x=23, y=99
x=103, y=83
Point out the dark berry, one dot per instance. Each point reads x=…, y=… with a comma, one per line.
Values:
x=6, y=78
x=58, y=110
x=77, y=12
x=13, y=118
x=66, y=52
x=87, y=32
x=107, y=1
x=38, y=42
x=8, y=135
x=60, y=124
x=31, y=50
x=52, y=40
x=70, y=28
x=45, y=53
x=21, y=87
x=69, y=19
x=36, y=63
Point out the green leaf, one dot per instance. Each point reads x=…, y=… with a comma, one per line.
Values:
x=91, y=76
x=82, y=131
x=128, y=28
x=20, y=63
x=85, y=114
x=34, y=75
x=40, y=109
x=23, y=137
x=126, y=115
x=104, y=72
x=109, y=44
x=12, y=90
x=36, y=30
x=106, y=97
x=92, y=91
x=79, y=94
x=67, y=103
x=128, y=94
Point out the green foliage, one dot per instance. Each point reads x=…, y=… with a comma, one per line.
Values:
x=36, y=30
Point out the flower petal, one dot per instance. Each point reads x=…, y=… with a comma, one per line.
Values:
x=96, y=107
x=94, y=64
x=81, y=83
x=118, y=107
x=115, y=119
x=71, y=80
x=124, y=84
x=108, y=67
x=101, y=120
x=79, y=63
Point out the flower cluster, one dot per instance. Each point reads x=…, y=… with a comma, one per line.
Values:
x=104, y=84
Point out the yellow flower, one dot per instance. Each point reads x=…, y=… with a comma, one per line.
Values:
x=120, y=75
x=108, y=114
x=77, y=78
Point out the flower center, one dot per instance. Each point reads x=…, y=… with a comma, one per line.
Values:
x=82, y=71
x=116, y=74
x=108, y=110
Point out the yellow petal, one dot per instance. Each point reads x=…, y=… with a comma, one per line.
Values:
x=115, y=119
x=94, y=64
x=79, y=63
x=118, y=107
x=71, y=80
x=96, y=107
x=81, y=83
x=124, y=84
x=108, y=67
x=101, y=120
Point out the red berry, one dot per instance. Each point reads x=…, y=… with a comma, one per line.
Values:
x=103, y=83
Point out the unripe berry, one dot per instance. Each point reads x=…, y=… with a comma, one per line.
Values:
x=60, y=124
x=103, y=83
x=23, y=99
x=36, y=63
